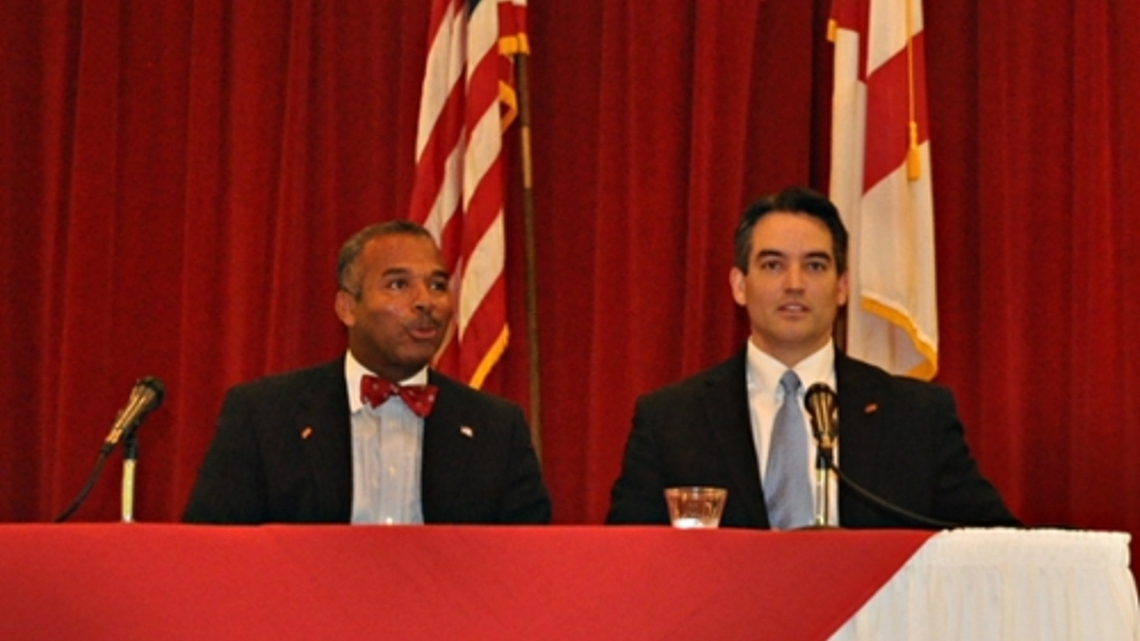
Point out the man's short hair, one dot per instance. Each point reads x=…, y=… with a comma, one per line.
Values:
x=793, y=200
x=351, y=249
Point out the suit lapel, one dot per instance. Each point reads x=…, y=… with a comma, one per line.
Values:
x=446, y=450
x=726, y=410
x=326, y=430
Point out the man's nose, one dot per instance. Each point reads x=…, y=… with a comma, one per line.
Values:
x=422, y=296
x=795, y=278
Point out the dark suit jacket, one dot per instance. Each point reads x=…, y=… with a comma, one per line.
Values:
x=899, y=438
x=283, y=453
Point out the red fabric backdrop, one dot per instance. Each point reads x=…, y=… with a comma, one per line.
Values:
x=178, y=176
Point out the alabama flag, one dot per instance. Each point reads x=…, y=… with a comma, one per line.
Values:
x=880, y=181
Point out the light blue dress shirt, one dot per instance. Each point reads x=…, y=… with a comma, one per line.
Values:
x=387, y=453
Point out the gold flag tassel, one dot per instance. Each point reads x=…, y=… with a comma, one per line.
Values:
x=913, y=160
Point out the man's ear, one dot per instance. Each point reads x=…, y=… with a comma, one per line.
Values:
x=736, y=282
x=345, y=306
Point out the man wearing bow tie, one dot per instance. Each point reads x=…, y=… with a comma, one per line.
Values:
x=741, y=424
x=374, y=436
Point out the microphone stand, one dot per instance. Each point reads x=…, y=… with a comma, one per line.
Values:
x=820, y=403
x=822, y=485
x=130, y=458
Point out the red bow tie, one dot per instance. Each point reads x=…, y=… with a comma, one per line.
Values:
x=419, y=398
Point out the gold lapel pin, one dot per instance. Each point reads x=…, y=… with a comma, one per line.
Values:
x=306, y=433
x=871, y=408
x=467, y=431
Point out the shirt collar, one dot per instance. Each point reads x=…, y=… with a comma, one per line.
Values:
x=354, y=371
x=765, y=372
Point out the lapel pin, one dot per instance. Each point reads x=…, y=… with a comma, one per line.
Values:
x=871, y=407
x=466, y=431
x=306, y=433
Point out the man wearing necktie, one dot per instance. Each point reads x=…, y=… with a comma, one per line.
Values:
x=374, y=436
x=741, y=424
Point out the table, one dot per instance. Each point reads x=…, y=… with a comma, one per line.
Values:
x=140, y=581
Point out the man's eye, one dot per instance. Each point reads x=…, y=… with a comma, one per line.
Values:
x=438, y=285
x=817, y=266
x=396, y=283
x=770, y=265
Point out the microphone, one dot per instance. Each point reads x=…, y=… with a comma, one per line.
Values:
x=820, y=403
x=146, y=395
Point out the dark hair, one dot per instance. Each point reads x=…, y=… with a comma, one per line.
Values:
x=350, y=250
x=793, y=200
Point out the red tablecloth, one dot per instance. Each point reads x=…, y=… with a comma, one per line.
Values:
x=117, y=581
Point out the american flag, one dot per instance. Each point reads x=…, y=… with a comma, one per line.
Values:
x=468, y=102
x=880, y=181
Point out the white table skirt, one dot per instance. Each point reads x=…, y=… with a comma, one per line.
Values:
x=1003, y=585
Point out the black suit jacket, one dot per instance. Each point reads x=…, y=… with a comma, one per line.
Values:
x=283, y=453
x=899, y=438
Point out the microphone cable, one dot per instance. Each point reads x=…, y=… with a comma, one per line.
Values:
x=102, y=458
x=888, y=506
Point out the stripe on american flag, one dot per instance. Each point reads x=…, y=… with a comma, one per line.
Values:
x=458, y=192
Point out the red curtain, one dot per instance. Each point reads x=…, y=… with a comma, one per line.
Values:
x=177, y=178
x=1038, y=270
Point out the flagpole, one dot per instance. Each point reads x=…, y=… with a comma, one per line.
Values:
x=534, y=377
x=839, y=326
